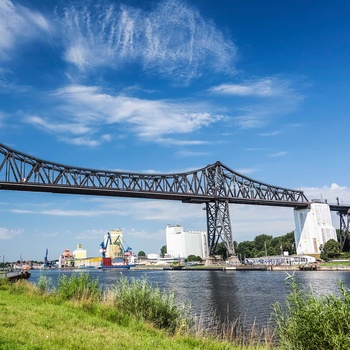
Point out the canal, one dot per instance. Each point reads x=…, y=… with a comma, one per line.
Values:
x=231, y=295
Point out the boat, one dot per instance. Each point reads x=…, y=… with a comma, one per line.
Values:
x=107, y=263
x=115, y=266
x=231, y=268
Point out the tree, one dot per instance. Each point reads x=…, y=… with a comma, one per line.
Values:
x=221, y=250
x=193, y=258
x=163, y=251
x=141, y=253
x=331, y=249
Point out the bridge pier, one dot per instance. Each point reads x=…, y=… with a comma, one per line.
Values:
x=219, y=226
x=344, y=228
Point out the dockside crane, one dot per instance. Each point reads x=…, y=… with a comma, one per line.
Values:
x=46, y=262
x=104, y=244
x=126, y=250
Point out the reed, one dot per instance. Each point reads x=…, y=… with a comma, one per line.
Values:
x=143, y=300
x=78, y=288
x=239, y=332
x=312, y=322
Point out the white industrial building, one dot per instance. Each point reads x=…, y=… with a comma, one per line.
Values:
x=313, y=228
x=181, y=243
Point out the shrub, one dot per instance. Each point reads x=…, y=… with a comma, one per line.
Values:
x=311, y=322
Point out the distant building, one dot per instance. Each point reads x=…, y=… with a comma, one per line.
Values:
x=313, y=228
x=181, y=243
x=79, y=253
x=66, y=259
x=114, y=248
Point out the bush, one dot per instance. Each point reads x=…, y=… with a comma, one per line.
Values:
x=311, y=322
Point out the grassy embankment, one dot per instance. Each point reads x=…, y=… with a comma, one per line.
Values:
x=80, y=315
x=135, y=315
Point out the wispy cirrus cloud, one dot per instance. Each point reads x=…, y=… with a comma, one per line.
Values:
x=260, y=101
x=278, y=154
x=84, y=110
x=19, y=24
x=171, y=39
x=265, y=87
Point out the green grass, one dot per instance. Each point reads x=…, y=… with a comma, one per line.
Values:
x=73, y=317
x=336, y=264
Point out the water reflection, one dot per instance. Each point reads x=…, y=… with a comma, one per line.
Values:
x=247, y=295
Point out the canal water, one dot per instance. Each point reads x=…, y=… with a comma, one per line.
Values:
x=231, y=295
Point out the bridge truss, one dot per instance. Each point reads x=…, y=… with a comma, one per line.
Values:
x=215, y=185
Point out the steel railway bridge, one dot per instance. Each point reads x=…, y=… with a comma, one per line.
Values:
x=215, y=186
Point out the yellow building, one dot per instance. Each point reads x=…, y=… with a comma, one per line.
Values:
x=79, y=253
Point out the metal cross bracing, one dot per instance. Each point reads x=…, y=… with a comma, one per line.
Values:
x=216, y=185
x=344, y=225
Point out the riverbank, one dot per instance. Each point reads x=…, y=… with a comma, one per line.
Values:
x=248, y=268
x=33, y=321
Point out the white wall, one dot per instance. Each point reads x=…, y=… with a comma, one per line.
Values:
x=181, y=244
x=313, y=227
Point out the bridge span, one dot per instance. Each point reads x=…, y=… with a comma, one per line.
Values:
x=215, y=185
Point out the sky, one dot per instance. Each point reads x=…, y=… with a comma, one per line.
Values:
x=170, y=86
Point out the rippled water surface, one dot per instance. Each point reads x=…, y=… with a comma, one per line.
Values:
x=247, y=295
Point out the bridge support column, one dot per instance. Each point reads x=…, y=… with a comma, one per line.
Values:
x=219, y=227
x=344, y=228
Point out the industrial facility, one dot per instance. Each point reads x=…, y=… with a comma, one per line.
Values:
x=181, y=243
x=313, y=228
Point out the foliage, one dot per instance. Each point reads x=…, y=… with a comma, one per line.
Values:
x=45, y=284
x=163, y=251
x=140, y=298
x=266, y=245
x=221, y=250
x=193, y=258
x=331, y=249
x=141, y=253
x=78, y=287
x=313, y=323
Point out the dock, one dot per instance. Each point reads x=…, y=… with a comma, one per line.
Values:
x=14, y=276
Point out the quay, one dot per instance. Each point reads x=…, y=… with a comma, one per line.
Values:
x=14, y=276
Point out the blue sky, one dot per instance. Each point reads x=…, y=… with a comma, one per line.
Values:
x=170, y=86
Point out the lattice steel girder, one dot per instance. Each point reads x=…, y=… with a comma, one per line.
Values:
x=344, y=227
x=19, y=171
x=219, y=226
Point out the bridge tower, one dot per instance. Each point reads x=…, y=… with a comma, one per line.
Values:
x=344, y=228
x=218, y=215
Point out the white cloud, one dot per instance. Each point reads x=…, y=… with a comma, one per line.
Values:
x=17, y=25
x=272, y=133
x=72, y=128
x=278, y=154
x=171, y=39
x=84, y=110
x=184, y=154
x=265, y=87
x=329, y=193
x=6, y=233
x=268, y=98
